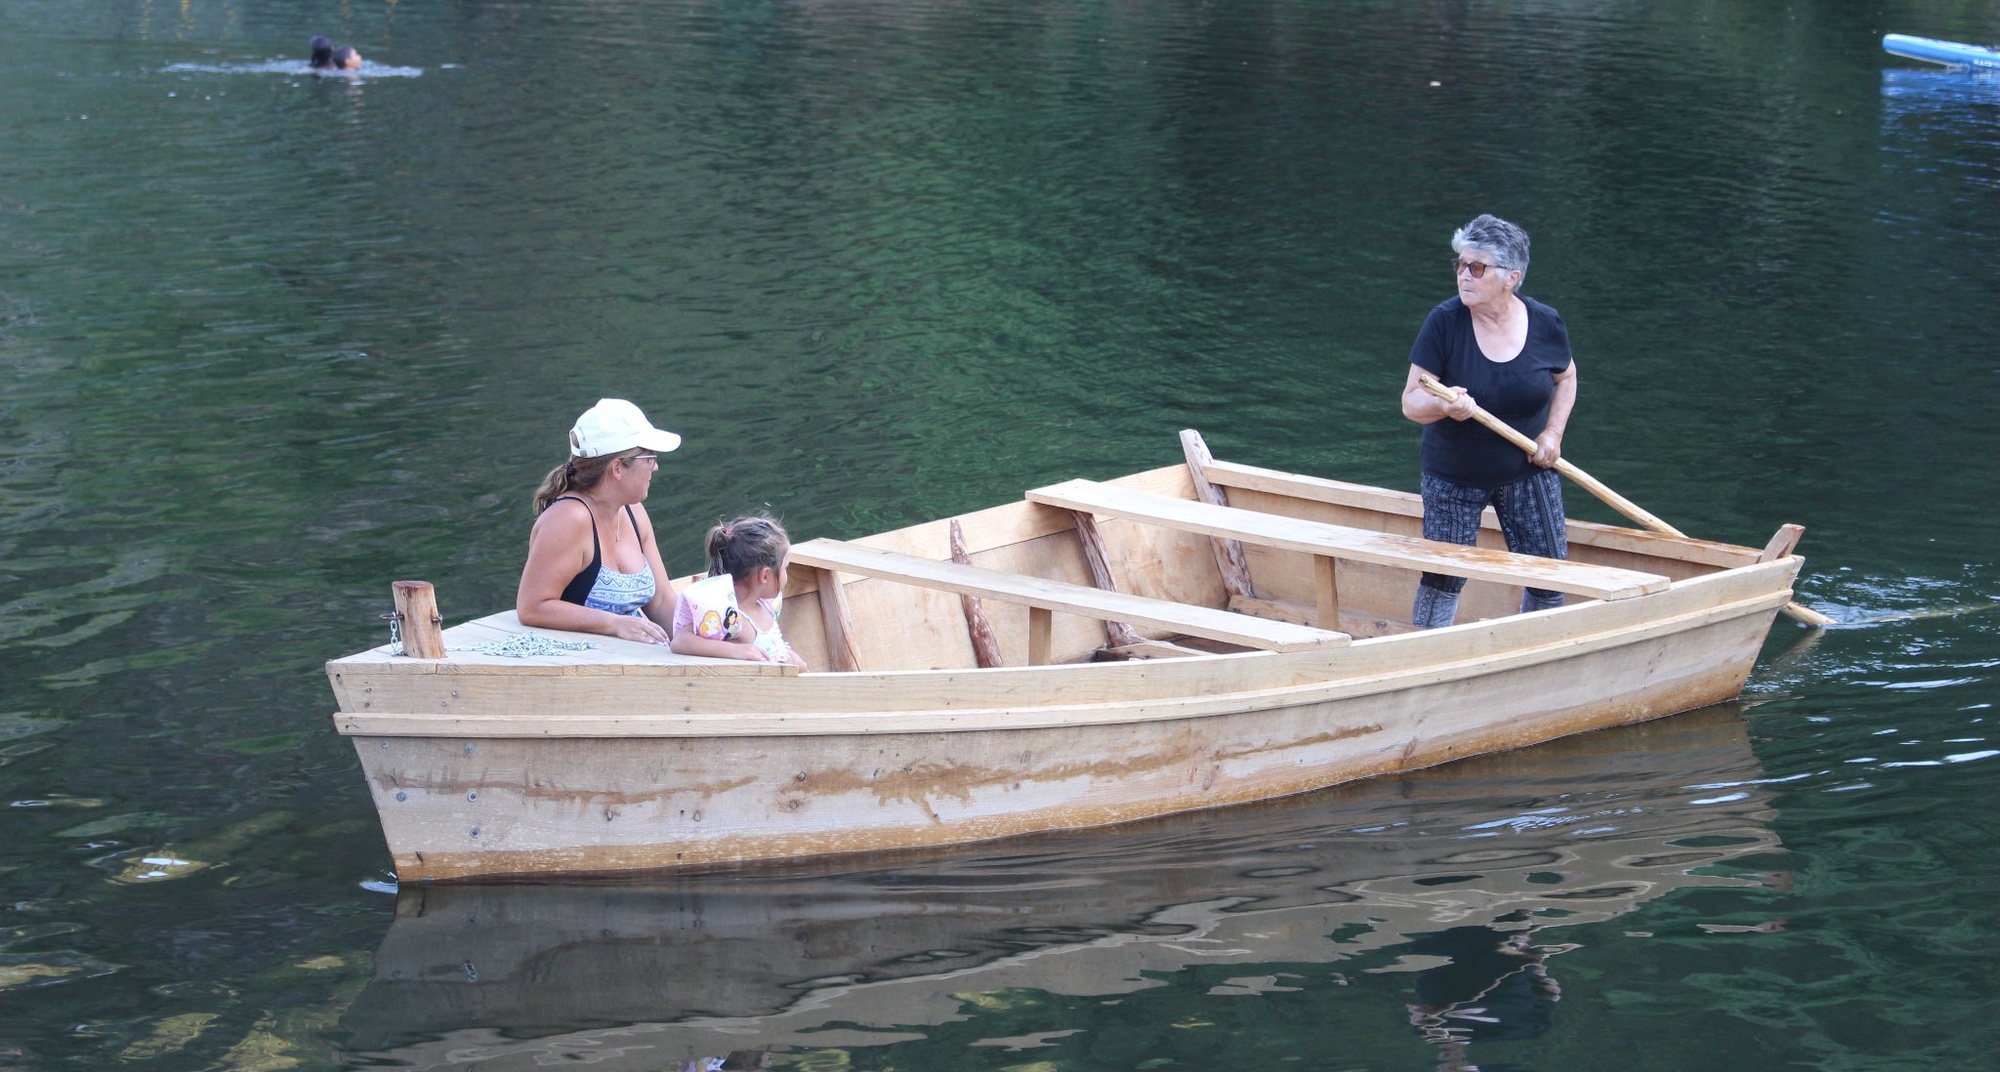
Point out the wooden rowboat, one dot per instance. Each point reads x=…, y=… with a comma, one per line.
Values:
x=1192, y=636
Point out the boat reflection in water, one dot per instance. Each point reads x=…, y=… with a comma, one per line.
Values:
x=1467, y=866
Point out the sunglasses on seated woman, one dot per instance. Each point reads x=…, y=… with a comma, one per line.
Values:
x=1477, y=268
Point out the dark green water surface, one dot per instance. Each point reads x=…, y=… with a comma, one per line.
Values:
x=269, y=341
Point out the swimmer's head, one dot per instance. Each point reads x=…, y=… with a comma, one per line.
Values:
x=322, y=53
x=345, y=58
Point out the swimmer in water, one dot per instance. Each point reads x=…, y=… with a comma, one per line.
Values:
x=327, y=59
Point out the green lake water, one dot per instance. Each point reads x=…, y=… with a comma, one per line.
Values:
x=270, y=341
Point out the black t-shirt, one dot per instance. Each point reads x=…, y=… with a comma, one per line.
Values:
x=1516, y=391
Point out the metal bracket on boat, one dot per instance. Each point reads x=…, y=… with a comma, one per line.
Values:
x=395, y=620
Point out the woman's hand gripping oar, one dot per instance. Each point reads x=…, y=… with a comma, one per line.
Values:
x=1596, y=487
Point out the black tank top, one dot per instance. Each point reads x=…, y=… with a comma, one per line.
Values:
x=578, y=590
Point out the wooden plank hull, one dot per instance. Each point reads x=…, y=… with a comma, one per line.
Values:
x=545, y=769
x=1578, y=832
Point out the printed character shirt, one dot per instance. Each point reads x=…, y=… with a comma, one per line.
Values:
x=709, y=608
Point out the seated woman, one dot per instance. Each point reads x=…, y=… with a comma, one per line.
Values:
x=733, y=613
x=593, y=564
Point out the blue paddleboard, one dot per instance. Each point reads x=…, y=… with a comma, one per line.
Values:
x=1949, y=53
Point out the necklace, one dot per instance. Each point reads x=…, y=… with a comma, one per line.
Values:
x=591, y=503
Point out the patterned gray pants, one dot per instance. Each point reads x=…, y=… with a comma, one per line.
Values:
x=1531, y=518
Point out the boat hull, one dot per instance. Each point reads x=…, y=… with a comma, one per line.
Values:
x=779, y=956
x=543, y=770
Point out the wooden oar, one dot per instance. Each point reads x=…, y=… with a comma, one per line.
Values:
x=1596, y=487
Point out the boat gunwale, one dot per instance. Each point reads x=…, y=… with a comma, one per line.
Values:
x=1715, y=556
x=1559, y=645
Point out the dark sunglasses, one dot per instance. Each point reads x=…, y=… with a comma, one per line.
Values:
x=1477, y=269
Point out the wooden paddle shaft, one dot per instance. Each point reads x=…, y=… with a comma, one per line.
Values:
x=1591, y=484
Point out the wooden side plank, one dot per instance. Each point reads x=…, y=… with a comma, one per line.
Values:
x=1783, y=542
x=838, y=622
x=1326, y=593
x=1340, y=541
x=1046, y=594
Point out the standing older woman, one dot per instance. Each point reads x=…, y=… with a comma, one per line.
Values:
x=593, y=564
x=1508, y=353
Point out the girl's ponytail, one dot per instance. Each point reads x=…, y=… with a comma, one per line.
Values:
x=746, y=545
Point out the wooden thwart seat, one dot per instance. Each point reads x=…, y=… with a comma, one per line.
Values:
x=1588, y=533
x=1327, y=543
x=1043, y=596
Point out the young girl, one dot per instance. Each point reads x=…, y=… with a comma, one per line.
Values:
x=733, y=614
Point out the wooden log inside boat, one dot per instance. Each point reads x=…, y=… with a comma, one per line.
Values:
x=1118, y=634
x=985, y=646
x=1229, y=558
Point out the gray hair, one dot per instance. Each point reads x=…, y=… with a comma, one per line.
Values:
x=1491, y=236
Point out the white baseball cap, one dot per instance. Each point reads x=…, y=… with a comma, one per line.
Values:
x=614, y=425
